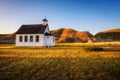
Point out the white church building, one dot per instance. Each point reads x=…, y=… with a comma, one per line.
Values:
x=35, y=35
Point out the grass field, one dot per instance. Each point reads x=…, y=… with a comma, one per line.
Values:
x=65, y=61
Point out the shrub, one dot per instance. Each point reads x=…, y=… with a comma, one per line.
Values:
x=93, y=49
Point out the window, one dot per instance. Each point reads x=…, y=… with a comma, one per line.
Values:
x=31, y=38
x=26, y=38
x=37, y=38
x=20, y=38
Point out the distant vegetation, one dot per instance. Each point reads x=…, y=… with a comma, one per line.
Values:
x=65, y=61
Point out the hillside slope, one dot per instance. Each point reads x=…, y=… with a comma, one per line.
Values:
x=109, y=35
x=71, y=35
x=7, y=38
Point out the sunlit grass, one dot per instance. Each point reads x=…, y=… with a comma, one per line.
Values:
x=56, y=52
x=62, y=62
x=89, y=44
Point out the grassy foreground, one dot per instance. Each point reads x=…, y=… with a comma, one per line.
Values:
x=59, y=63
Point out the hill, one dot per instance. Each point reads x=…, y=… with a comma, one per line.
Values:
x=109, y=35
x=7, y=38
x=71, y=35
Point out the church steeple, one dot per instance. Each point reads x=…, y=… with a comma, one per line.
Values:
x=45, y=21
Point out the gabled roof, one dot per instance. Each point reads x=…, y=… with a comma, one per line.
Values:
x=32, y=29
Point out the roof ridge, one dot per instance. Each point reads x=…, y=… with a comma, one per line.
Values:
x=31, y=24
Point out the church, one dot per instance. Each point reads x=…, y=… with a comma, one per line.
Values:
x=35, y=35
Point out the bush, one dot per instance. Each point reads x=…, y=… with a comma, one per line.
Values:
x=94, y=49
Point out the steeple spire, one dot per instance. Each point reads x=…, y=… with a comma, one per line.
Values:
x=45, y=21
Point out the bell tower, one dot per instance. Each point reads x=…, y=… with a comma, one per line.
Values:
x=45, y=21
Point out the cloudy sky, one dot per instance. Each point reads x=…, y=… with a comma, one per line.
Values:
x=81, y=15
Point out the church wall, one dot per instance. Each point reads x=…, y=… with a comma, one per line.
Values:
x=49, y=40
x=28, y=43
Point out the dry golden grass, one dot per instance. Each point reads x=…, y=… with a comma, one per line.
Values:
x=99, y=44
x=59, y=63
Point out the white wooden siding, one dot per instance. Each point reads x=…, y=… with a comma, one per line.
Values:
x=49, y=40
x=43, y=40
x=28, y=43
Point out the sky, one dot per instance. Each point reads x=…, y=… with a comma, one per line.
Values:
x=82, y=15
